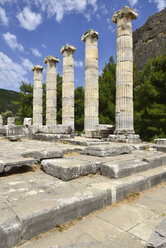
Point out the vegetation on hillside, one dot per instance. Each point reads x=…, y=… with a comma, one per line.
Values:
x=7, y=97
x=149, y=99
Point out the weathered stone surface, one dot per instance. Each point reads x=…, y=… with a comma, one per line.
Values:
x=68, y=85
x=10, y=120
x=91, y=110
x=68, y=169
x=107, y=150
x=74, y=167
x=58, y=129
x=27, y=122
x=125, y=138
x=149, y=40
x=158, y=238
x=124, y=71
x=1, y=166
x=160, y=141
x=1, y=121
x=45, y=154
x=84, y=141
x=37, y=95
x=14, y=133
x=49, y=137
x=51, y=86
x=161, y=148
x=10, y=228
x=43, y=202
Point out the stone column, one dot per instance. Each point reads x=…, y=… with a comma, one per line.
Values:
x=10, y=120
x=124, y=70
x=68, y=85
x=51, y=86
x=91, y=109
x=37, y=95
x=1, y=121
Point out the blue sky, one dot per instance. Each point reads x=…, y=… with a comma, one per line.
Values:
x=30, y=30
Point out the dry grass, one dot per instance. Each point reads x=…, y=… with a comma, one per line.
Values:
x=71, y=154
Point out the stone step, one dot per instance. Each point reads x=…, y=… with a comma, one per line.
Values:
x=27, y=217
x=107, y=150
x=116, y=167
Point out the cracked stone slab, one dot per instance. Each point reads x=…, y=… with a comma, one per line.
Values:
x=44, y=154
x=8, y=163
x=40, y=212
x=107, y=150
x=68, y=169
x=158, y=237
x=81, y=165
x=10, y=228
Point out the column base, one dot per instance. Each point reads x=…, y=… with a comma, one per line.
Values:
x=125, y=138
x=100, y=131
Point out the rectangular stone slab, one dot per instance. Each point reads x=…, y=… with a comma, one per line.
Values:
x=68, y=169
x=107, y=150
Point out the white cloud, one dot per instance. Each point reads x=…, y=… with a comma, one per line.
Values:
x=28, y=19
x=11, y=73
x=11, y=41
x=78, y=63
x=161, y=4
x=132, y=2
x=44, y=46
x=59, y=8
x=3, y=17
x=110, y=26
x=27, y=64
x=36, y=52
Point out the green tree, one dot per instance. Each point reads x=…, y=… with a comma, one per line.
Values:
x=59, y=99
x=79, y=108
x=150, y=99
x=107, y=93
x=26, y=101
x=5, y=115
x=44, y=103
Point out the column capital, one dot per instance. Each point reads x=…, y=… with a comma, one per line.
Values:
x=124, y=12
x=51, y=58
x=90, y=32
x=37, y=67
x=68, y=47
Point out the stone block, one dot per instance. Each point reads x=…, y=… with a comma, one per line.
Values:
x=160, y=141
x=107, y=150
x=68, y=169
x=58, y=129
x=10, y=229
x=1, y=121
x=14, y=133
x=10, y=120
x=1, y=166
x=158, y=237
x=27, y=122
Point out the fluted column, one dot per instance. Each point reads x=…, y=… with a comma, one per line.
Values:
x=68, y=85
x=124, y=70
x=51, y=87
x=91, y=109
x=37, y=95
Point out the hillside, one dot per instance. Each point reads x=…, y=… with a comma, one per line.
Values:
x=150, y=40
x=6, y=98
